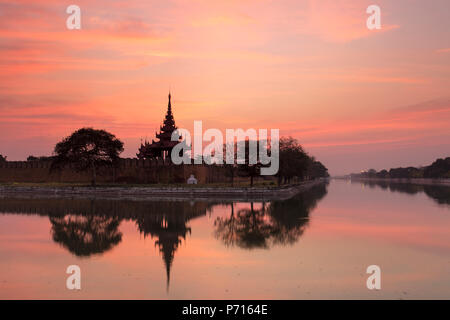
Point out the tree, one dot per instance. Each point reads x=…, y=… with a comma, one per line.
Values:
x=317, y=170
x=2, y=158
x=294, y=161
x=230, y=151
x=405, y=173
x=438, y=169
x=248, y=168
x=88, y=149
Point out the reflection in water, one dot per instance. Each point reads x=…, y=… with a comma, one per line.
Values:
x=168, y=224
x=272, y=250
x=86, y=227
x=90, y=226
x=440, y=194
x=86, y=235
x=280, y=222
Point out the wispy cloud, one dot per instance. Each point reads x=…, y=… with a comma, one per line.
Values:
x=444, y=50
x=399, y=125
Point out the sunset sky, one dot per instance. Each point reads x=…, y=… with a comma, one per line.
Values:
x=356, y=99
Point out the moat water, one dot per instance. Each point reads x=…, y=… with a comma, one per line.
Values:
x=317, y=245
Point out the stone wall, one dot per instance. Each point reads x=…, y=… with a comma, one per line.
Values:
x=128, y=171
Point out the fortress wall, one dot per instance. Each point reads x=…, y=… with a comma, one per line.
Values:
x=128, y=171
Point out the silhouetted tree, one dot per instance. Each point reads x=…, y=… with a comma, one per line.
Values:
x=229, y=150
x=383, y=174
x=2, y=158
x=317, y=170
x=294, y=161
x=438, y=169
x=405, y=173
x=249, y=168
x=88, y=149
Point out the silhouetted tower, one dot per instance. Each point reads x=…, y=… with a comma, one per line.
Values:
x=163, y=147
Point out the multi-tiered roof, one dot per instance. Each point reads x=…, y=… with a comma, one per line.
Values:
x=163, y=147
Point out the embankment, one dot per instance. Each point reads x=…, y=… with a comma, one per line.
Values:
x=163, y=193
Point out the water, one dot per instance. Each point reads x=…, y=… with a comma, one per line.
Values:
x=317, y=245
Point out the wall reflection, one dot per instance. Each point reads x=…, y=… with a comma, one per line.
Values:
x=87, y=227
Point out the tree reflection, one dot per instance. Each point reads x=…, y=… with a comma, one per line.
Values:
x=85, y=235
x=245, y=229
x=86, y=227
x=440, y=194
x=277, y=223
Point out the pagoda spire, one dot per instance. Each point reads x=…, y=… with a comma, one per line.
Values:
x=163, y=147
x=169, y=106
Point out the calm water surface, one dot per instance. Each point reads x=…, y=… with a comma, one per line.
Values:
x=316, y=245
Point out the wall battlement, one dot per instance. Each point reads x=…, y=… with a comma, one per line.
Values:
x=127, y=171
x=124, y=162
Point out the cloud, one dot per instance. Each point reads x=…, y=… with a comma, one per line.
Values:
x=444, y=50
x=430, y=106
x=296, y=65
x=340, y=20
x=24, y=102
x=401, y=125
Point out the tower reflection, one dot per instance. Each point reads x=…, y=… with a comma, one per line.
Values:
x=88, y=227
x=168, y=225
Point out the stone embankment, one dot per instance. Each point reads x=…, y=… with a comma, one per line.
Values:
x=169, y=193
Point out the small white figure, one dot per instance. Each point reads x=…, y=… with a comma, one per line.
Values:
x=191, y=180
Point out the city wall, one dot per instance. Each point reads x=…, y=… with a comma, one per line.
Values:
x=128, y=171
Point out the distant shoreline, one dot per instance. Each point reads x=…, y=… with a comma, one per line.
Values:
x=162, y=193
x=420, y=181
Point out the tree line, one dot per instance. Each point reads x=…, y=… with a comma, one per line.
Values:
x=439, y=169
x=88, y=150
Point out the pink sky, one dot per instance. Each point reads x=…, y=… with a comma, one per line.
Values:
x=356, y=99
